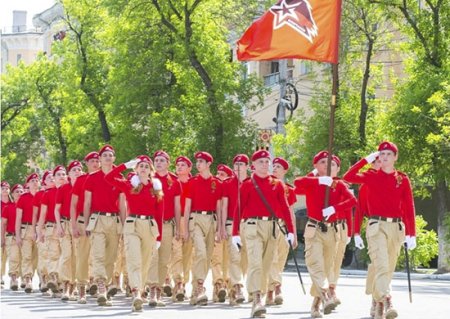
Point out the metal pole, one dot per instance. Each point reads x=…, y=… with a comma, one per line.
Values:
x=334, y=92
x=408, y=272
x=281, y=114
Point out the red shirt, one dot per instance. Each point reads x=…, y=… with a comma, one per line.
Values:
x=362, y=208
x=63, y=197
x=340, y=197
x=289, y=190
x=171, y=188
x=230, y=191
x=4, y=205
x=253, y=206
x=142, y=203
x=37, y=202
x=389, y=195
x=184, y=190
x=25, y=203
x=204, y=193
x=78, y=189
x=49, y=200
x=105, y=197
x=9, y=213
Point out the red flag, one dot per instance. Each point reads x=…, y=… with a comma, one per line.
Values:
x=302, y=29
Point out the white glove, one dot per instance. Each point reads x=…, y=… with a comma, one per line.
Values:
x=315, y=172
x=236, y=240
x=290, y=238
x=327, y=212
x=348, y=240
x=370, y=158
x=359, y=243
x=157, y=185
x=158, y=244
x=325, y=180
x=410, y=242
x=132, y=163
x=135, y=181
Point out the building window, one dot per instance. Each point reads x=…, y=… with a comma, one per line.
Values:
x=19, y=57
x=274, y=67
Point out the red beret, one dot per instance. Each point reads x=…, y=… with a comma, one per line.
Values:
x=144, y=158
x=74, y=164
x=16, y=187
x=91, y=155
x=58, y=168
x=5, y=184
x=32, y=176
x=319, y=156
x=162, y=154
x=389, y=146
x=226, y=169
x=204, y=155
x=242, y=158
x=281, y=161
x=183, y=159
x=130, y=175
x=260, y=154
x=106, y=148
x=45, y=176
x=336, y=159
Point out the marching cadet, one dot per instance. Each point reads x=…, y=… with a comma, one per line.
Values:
x=344, y=232
x=181, y=261
x=280, y=169
x=263, y=202
x=67, y=261
x=362, y=210
x=5, y=202
x=391, y=216
x=101, y=211
x=230, y=205
x=219, y=260
x=82, y=242
x=47, y=231
x=48, y=182
x=25, y=230
x=171, y=188
x=9, y=236
x=142, y=227
x=202, y=209
x=321, y=233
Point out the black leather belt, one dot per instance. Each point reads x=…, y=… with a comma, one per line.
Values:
x=169, y=221
x=387, y=219
x=107, y=214
x=203, y=212
x=65, y=218
x=144, y=217
x=27, y=223
x=316, y=222
x=261, y=218
x=9, y=234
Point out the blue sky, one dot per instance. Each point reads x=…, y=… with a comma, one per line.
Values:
x=31, y=6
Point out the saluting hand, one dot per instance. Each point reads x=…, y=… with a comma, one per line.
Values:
x=132, y=163
x=372, y=157
x=325, y=180
x=327, y=212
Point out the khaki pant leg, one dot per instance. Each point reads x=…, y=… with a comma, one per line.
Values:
x=339, y=255
x=384, y=241
x=370, y=280
x=165, y=251
x=176, y=261
x=98, y=249
x=188, y=256
x=120, y=266
x=279, y=260
x=66, y=260
x=42, y=248
x=54, y=249
x=14, y=257
x=234, y=260
x=225, y=260
x=217, y=263
x=27, y=250
x=83, y=249
x=4, y=259
x=203, y=243
x=244, y=259
x=319, y=251
x=151, y=232
x=113, y=233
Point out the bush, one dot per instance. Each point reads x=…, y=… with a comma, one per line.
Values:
x=427, y=246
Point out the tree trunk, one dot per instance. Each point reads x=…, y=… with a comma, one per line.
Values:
x=364, y=106
x=444, y=244
x=105, y=129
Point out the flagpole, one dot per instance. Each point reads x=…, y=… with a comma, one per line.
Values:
x=334, y=92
